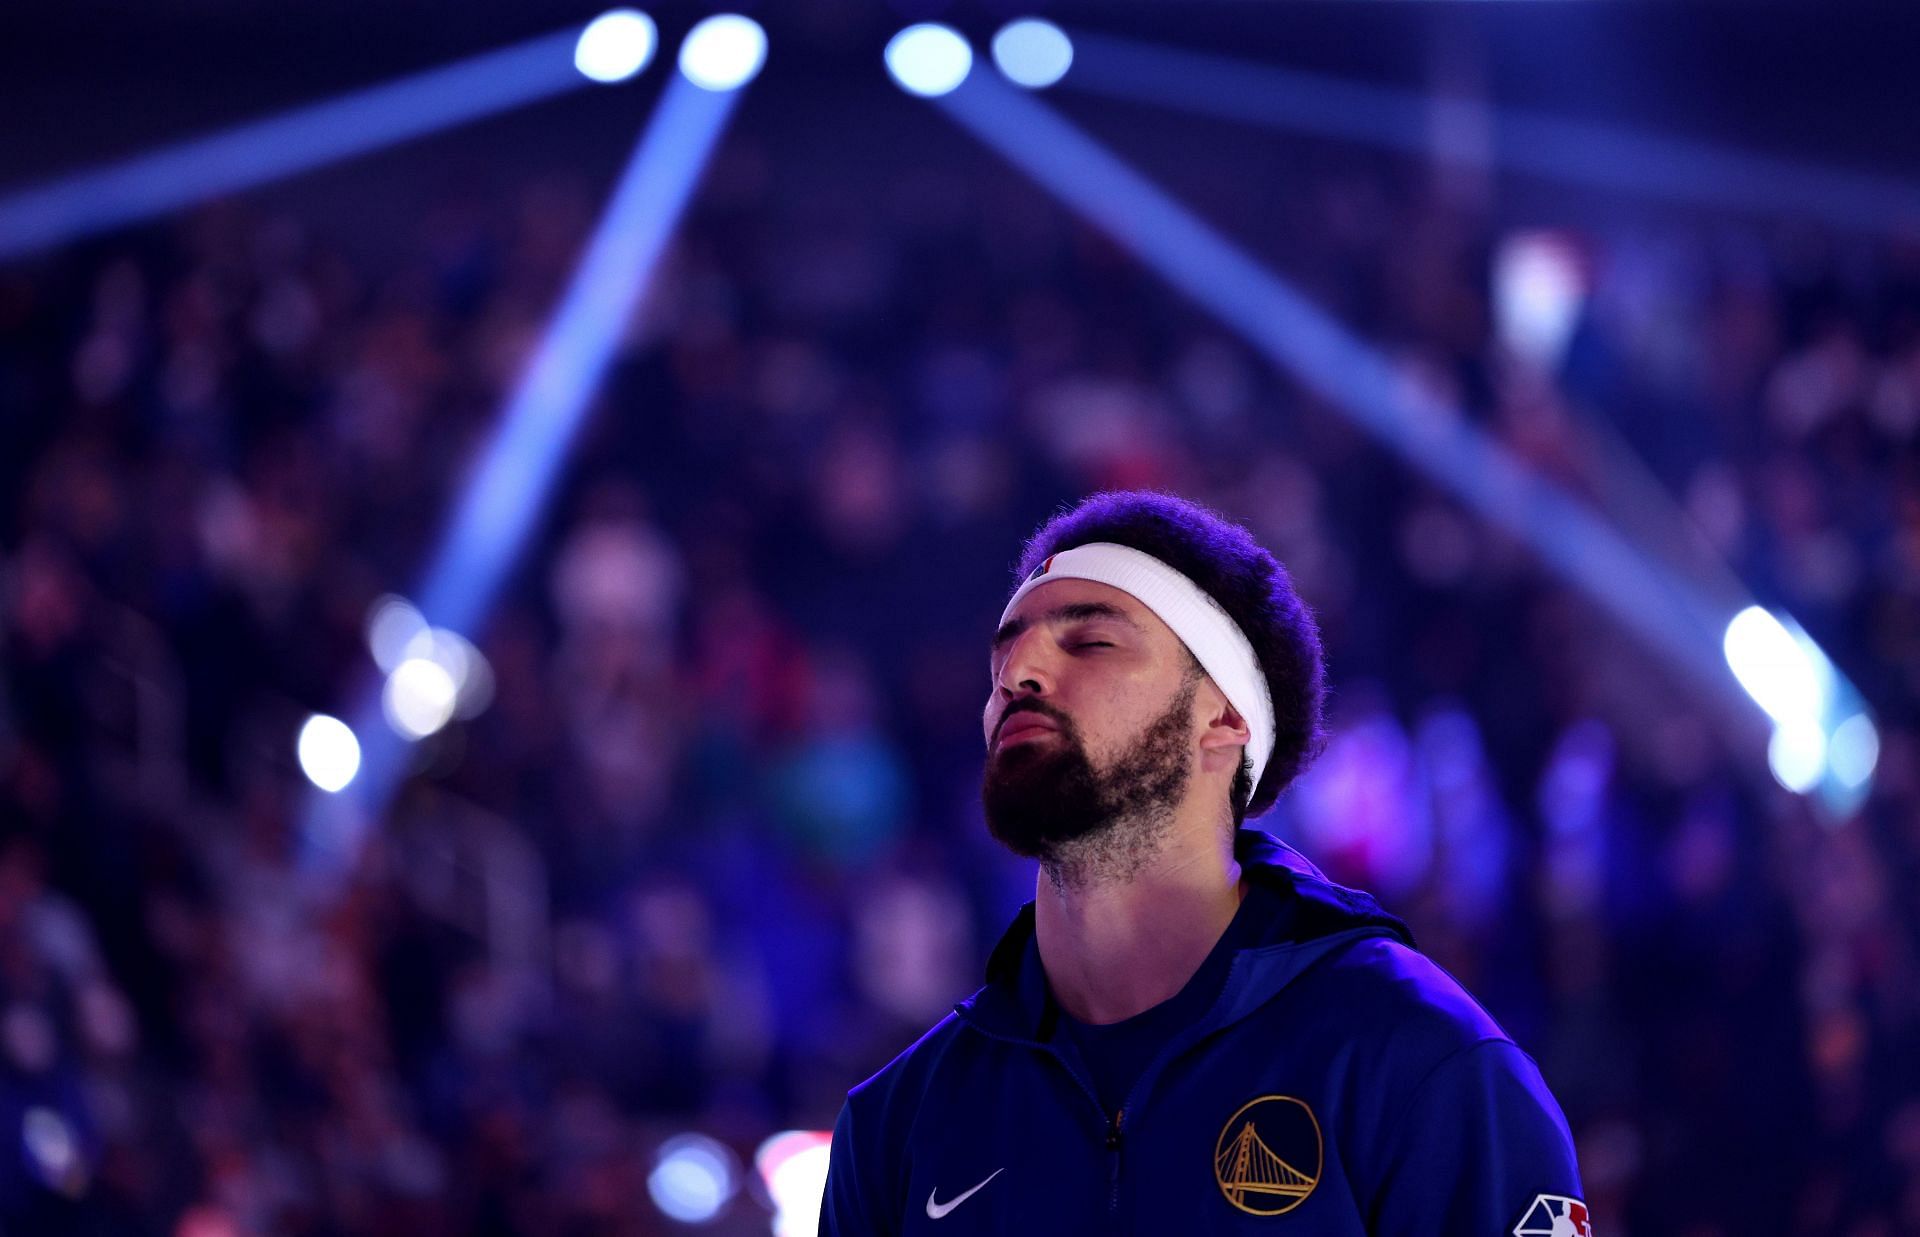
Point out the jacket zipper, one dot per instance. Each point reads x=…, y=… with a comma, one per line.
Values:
x=1117, y=1120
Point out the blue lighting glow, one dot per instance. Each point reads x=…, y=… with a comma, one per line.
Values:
x=1541, y=144
x=1032, y=53
x=510, y=485
x=1853, y=751
x=251, y=154
x=929, y=59
x=693, y=1178
x=1673, y=613
x=615, y=46
x=724, y=52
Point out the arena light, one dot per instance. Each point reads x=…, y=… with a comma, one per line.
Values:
x=419, y=697
x=1033, y=53
x=329, y=753
x=929, y=59
x=1678, y=616
x=1541, y=144
x=615, y=46
x=84, y=203
x=1854, y=751
x=1823, y=741
x=1784, y=672
x=393, y=624
x=1539, y=292
x=724, y=52
x=693, y=1178
x=508, y=487
x=1797, y=755
x=793, y=1168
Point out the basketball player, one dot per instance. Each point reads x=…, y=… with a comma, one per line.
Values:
x=1189, y=1029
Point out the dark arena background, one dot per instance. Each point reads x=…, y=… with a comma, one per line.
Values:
x=496, y=567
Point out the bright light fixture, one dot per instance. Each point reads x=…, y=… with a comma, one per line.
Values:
x=929, y=59
x=793, y=1168
x=1783, y=673
x=724, y=52
x=615, y=45
x=329, y=753
x=1797, y=756
x=1032, y=53
x=419, y=697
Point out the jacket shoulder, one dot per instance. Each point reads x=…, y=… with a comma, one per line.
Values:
x=910, y=1072
x=1392, y=995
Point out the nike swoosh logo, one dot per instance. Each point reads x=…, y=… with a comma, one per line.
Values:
x=936, y=1211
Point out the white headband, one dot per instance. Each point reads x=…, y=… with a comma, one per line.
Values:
x=1215, y=640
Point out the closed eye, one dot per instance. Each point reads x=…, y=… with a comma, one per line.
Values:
x=1094, y=644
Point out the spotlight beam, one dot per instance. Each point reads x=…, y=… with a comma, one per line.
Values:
x=510, y=487
x=1581, y=152
x=516, y=471
x=1676, y=618
x=86, y=203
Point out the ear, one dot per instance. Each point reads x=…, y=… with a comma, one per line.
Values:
x=1225, y=735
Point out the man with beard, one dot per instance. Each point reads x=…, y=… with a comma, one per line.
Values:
x=1190, y=1029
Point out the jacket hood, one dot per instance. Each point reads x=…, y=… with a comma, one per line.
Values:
x=1323, y=916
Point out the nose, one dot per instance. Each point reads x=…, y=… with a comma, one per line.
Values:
x=1026, y=670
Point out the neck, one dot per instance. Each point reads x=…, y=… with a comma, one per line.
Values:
x=1123, y=927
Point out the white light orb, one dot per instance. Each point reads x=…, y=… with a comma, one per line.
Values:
x=392, y=626
x=793, y=1167
x=1782, y=674
x=1853, y=751
x=929, y=59
x=724, y=52
x=329, y=753
x=1539, y=292
x=464, y=663
x=693, y=1177
x=419, y=697
x=1033, y=53
x=1797, y=756
x=615, y=45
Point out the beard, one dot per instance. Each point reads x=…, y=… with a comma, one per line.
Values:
x=1045, y=799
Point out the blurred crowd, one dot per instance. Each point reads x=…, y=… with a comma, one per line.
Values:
x=713, y=853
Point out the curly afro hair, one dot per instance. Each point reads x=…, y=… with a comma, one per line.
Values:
x=1224, y=560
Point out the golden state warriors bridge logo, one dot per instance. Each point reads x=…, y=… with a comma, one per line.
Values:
x=1268, y=1158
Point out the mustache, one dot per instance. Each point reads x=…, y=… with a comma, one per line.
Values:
x=1031, y=705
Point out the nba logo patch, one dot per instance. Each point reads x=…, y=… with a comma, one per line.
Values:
x=1042, y=568
x=1554, y=1215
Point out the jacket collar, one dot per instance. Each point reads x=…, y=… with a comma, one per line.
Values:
x=1017, y=1004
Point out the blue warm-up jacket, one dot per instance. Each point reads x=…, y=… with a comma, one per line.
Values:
x=1340, y=1084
